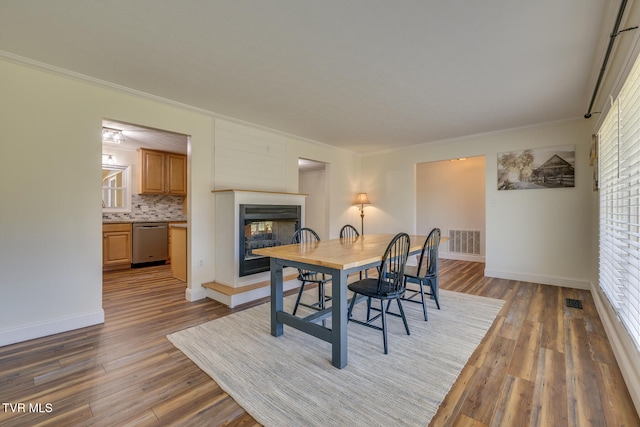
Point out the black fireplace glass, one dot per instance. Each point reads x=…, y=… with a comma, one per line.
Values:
x=264, y=226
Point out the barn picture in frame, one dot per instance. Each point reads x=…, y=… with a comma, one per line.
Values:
x=536, y=168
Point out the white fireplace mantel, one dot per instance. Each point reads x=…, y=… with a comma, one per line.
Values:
x=227, y=210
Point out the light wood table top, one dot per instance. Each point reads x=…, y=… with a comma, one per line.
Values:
x=339, y=258
x=341, y=254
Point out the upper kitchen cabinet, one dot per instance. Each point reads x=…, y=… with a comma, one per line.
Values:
x=162, y=172
x=177, y=174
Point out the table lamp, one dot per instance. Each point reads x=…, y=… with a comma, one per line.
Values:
x=362, y=199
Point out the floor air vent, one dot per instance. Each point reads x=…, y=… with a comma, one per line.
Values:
x=464, y=242
x=574, y=303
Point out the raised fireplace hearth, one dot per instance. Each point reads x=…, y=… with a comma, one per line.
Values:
x=264, y=226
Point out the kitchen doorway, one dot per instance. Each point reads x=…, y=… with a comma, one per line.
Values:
x=144, y=182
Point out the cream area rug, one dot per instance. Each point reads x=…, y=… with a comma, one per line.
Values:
x=289, y=380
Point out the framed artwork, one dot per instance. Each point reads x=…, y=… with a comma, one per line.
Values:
x=537, y=168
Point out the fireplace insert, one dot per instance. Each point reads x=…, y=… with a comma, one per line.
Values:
x=264, y=226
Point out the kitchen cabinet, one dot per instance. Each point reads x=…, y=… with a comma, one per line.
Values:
x=178, y=234
x=176, y=174
x=161, y=172
x=116, y=246
x=171, y=224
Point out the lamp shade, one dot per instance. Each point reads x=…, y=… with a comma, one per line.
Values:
x=362, y=199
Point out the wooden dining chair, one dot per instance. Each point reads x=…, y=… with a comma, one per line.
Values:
x=388, y=286
x=425, y=273
x=308, y=236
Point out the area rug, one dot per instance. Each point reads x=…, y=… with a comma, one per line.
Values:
x=289, y=380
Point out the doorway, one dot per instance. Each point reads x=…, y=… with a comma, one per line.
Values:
x=125, y=202
x=312, y=180
x=450, y=195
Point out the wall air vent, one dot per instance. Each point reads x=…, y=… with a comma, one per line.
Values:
x=465, y=242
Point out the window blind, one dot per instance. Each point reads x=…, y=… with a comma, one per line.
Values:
x=619, y=167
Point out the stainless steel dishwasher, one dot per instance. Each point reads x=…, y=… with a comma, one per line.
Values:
x=149, y=242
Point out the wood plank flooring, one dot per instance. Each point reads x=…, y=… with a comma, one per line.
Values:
x=540, y=364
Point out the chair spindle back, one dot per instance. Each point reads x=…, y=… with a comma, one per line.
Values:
x=305, y=236
x=394, y=259
x=428, y=261
x=348, y=232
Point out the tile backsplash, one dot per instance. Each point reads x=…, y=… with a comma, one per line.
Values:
x=150, y=207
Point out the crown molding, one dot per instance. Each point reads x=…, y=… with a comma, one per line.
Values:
x=31, y=63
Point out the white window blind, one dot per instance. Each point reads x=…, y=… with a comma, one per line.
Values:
x=619, y=166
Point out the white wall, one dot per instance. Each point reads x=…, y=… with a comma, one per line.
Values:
x=342, y=176
x=49, y=202
x=50, y=225
x=51, y=249
x=267, y=160
x=250, y=158
x=451, y=195
x=314, y=184
x=543, y=236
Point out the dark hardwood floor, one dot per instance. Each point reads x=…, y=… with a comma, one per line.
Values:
x=540, y=364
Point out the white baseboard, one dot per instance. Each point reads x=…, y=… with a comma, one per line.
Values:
x=195, y=294
x=43, y=329
x=624, y=349
x=535, y=278
x=461, y=257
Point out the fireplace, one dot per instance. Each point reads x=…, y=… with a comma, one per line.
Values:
x=234, y=210
x=263, y=226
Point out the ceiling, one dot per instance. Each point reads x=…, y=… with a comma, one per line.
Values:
x=365, y=75
x=141, y=137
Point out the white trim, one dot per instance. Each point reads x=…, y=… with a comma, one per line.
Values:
x=43, y=329
x=232, y=301
x=126, y=171
x=542, y=279
x=475, y=136
x=102, y=83
x=21, y=60
x=461, y=257
x=195, y=294
x=624, y=349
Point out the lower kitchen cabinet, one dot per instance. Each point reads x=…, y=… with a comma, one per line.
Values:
x=116, y=246
x=179, y=251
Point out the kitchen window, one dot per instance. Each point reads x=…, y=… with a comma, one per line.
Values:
x=116, y=194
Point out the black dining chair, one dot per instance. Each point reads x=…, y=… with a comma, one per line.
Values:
x=388, y=286
x=348, y=232
x=308, y=236
x=425, y=273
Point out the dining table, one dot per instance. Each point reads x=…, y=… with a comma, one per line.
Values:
x=338, y=258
